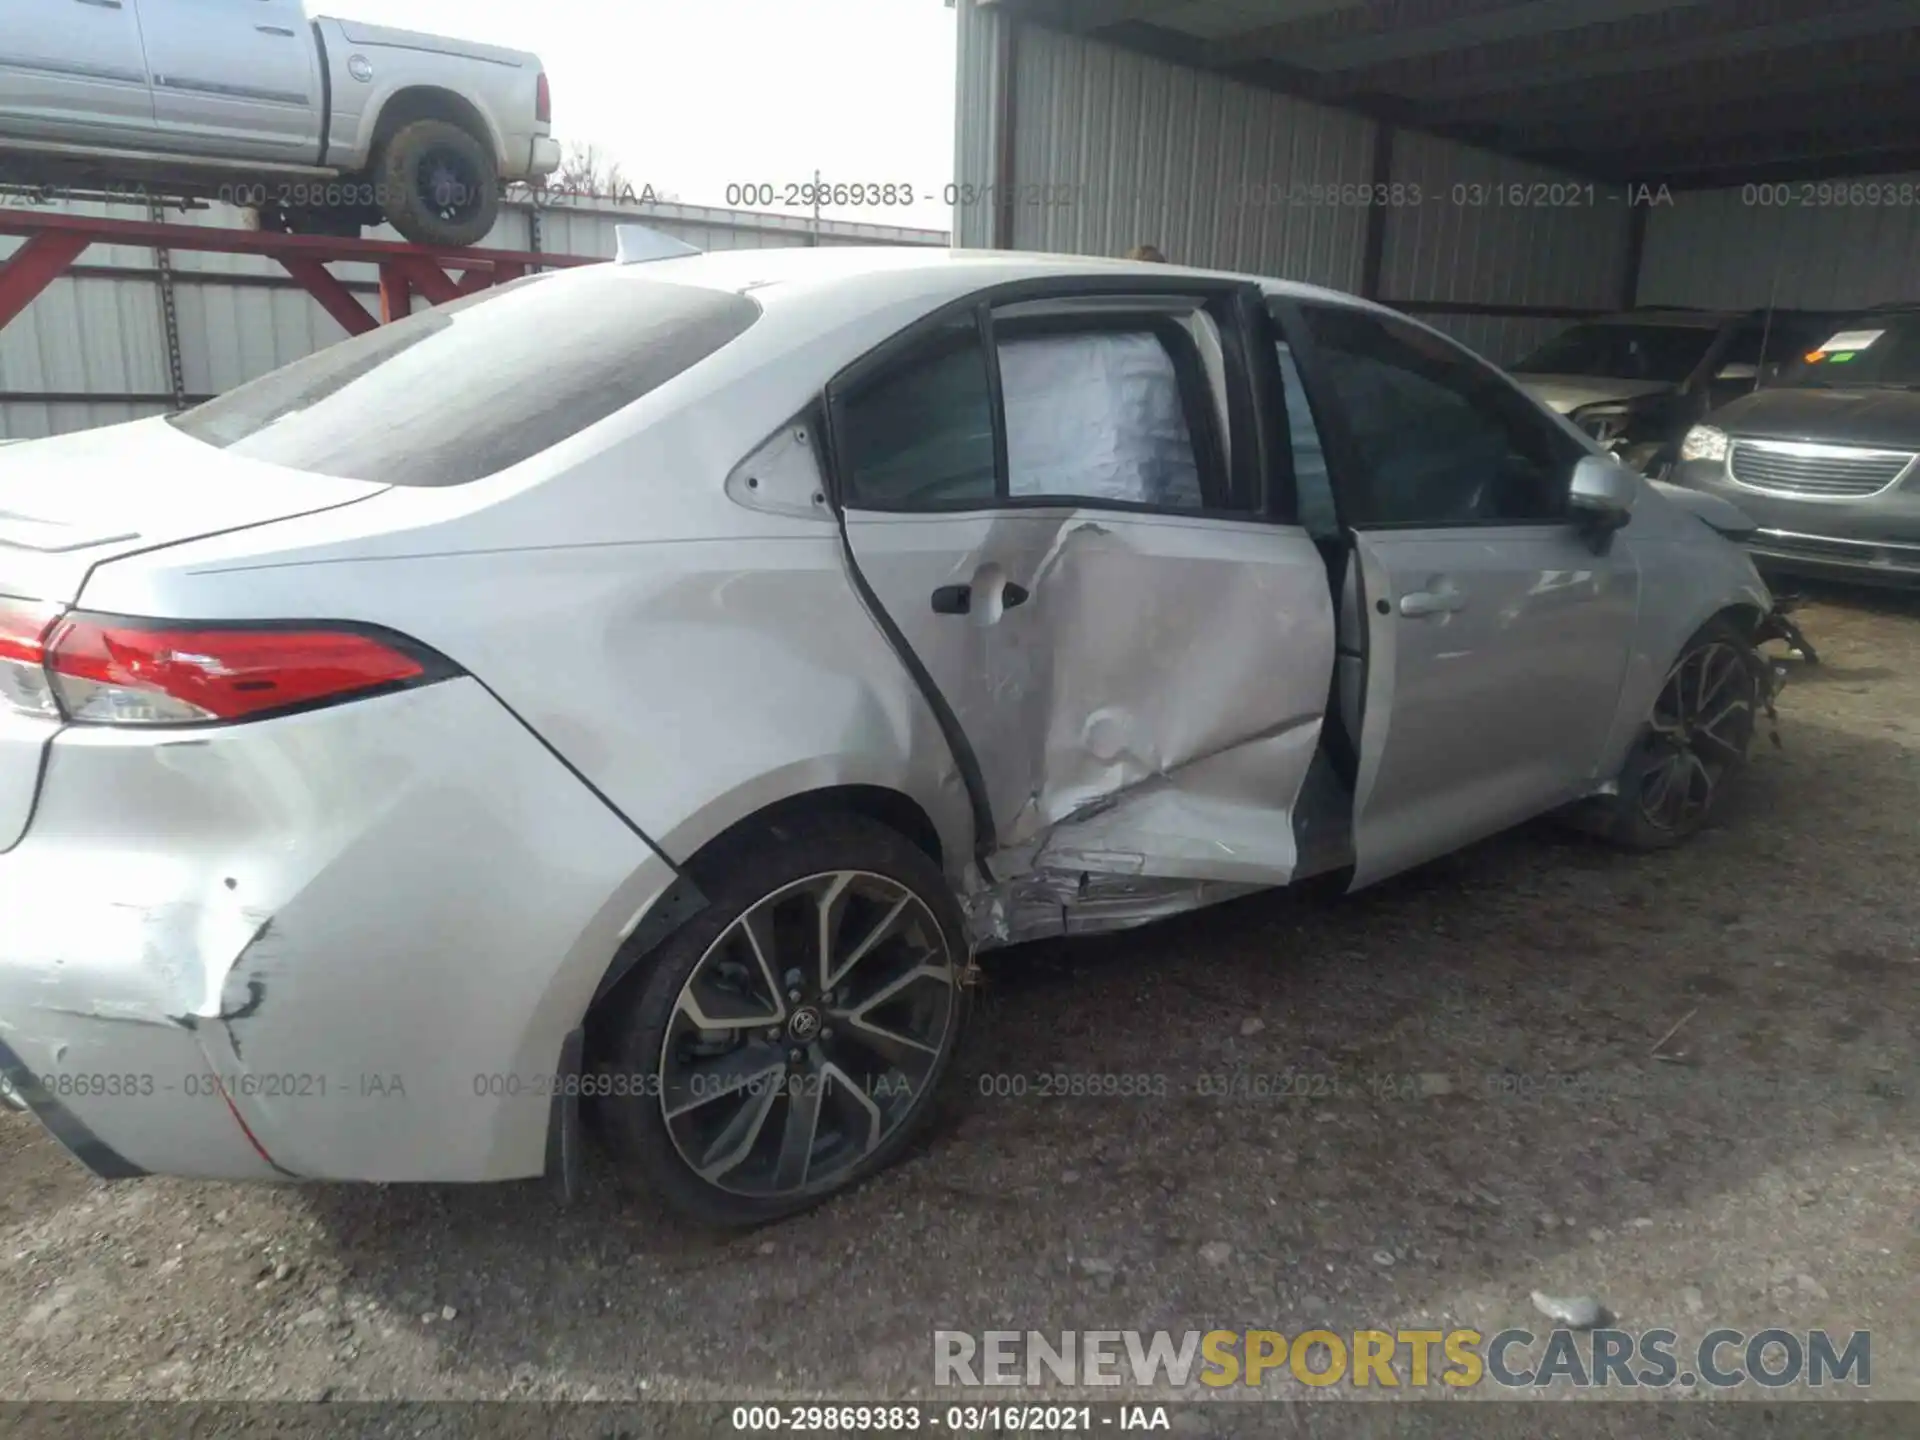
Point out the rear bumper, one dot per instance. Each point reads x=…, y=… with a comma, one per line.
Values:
x=532, y=158
x=345, y=945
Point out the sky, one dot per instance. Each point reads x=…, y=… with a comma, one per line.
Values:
x=691, y=96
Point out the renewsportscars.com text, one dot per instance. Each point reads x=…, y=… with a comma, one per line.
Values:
x=1394, y=1359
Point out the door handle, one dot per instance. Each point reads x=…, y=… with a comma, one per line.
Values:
x=1431, y=602
x=101, y=4
x=953, y=600
x=274, y=30
x=958, y=599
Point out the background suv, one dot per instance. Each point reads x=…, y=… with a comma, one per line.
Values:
x=1824, y=461
x=1636, y=381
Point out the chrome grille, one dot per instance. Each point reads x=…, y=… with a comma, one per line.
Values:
x=1827, y=471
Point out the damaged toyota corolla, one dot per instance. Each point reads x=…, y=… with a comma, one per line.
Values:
x=624, y=701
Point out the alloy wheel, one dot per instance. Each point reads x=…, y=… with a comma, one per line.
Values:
x=807, y=1033
x=1699, y=731
x=447, y=185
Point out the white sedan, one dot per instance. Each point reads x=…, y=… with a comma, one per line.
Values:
x=624, y=701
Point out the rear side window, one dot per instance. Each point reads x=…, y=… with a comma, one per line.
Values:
x=1112, y=408
x=1099, y=416
x=921, y=434
x=465, y=390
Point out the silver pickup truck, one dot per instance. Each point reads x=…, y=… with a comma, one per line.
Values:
x=318, y=125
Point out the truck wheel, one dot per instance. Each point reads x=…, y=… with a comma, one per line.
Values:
x=440, y=185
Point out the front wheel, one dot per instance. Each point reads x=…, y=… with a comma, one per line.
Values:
x=787, y=1042
x=439, y=185
x=1694, y=744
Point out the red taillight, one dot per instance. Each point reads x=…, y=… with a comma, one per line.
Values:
x=543, y=101
x=129, y=672
x=23, y=675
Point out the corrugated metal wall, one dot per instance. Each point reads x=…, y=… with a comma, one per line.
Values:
x=1476, y=228
x=1112, y=149
x=1503, y=339
x=976, y=130
x=1494, y=230
x=99, y=333
x=1818, y=245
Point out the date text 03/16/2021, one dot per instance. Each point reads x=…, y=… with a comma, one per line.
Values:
x=1256, y=194
x=970, y=1419
x=142, y=1085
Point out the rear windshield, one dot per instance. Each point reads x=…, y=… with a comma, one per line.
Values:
x=463, y=391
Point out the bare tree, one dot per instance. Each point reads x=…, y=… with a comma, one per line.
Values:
x=588, y=173
x=587, y=170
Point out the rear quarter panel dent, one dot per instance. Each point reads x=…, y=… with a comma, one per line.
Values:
x=409, y=886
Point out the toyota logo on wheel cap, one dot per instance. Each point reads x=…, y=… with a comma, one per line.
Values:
x=805, y=1024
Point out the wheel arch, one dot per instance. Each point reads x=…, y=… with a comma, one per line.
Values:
x=685, y=898
x=434, y=102
x=895, y=809
x=1648, y=669
x=1747, y=614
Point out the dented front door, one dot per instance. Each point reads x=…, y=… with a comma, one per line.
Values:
x=1140, y=693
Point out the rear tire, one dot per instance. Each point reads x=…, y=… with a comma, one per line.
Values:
x=741, y=1103
x=439, y=185
x=1693, y=747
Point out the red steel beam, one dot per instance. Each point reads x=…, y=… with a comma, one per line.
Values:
x=54, y=241
x=262, y=242
x=333, y=297
x=33, y=267
x=396, y=295
x=430, y=280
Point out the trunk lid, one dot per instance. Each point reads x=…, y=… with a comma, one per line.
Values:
x=75, y=502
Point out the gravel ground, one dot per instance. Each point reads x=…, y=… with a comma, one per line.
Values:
x=1757, y=1166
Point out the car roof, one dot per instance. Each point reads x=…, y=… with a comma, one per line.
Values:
x=771, y=274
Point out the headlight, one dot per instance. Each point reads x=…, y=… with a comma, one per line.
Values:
x=1704, y=442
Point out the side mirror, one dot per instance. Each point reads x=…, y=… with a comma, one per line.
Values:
x=1600, y=498
x=1738, y=372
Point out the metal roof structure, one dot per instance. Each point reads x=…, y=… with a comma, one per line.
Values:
x=1691, y=93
